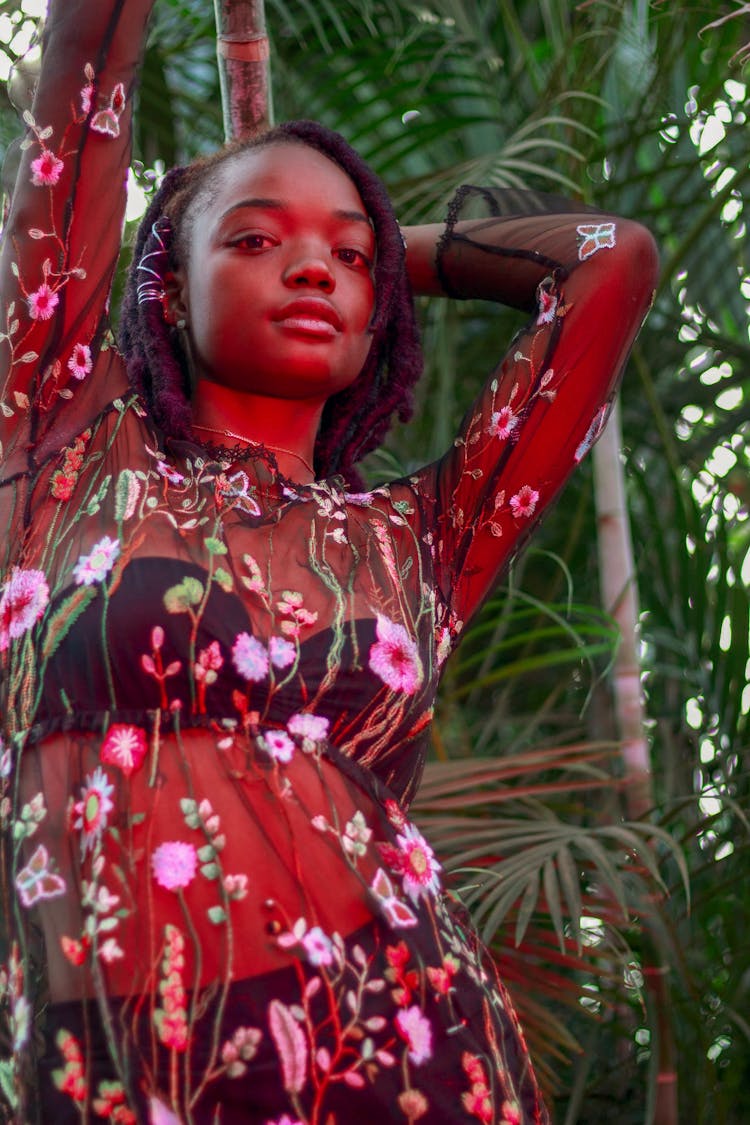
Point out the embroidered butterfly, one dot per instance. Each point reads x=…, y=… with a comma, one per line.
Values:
x=35, y=881
x=107, y=120
x=593, y=237
x=399, y=915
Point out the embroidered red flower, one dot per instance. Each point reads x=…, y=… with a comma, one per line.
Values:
x=124, y=746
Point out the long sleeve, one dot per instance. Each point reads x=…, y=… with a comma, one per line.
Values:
x=63, y=233
x=591, y=278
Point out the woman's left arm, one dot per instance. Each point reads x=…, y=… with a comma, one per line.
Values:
x=588, y=279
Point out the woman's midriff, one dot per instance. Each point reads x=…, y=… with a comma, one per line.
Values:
x=247, y=869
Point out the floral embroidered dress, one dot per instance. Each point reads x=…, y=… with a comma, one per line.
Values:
x=217, y=684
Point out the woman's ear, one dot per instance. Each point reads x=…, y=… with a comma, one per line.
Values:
x=174, y=300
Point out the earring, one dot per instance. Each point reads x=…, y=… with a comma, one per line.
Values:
x=181, y=323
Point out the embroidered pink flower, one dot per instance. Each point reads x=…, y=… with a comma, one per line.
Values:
x=415, y=861
x=79, y=364
x=46, y=169
x=318, y=947
x=278, y=744
x=502, y=423
x=413, y=1104
x=312, y=727
x=282, y=652
x=417, y=1032
x=208, y=664
x=394, y=657
x=250, y=657
x=523, y=504
x=86, y=95
x=547, y=305
x=23, y=601
x=94, y=567
x=43, y=302
x=124, y=746
x=174, y=864
x=236, y=886
x=291, y=607
x=93, y=808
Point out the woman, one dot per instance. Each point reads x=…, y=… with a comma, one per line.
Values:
x=219, y=659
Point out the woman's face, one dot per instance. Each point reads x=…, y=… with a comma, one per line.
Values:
x=278, y=293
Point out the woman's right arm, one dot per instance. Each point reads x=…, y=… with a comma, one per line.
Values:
x=62, y=237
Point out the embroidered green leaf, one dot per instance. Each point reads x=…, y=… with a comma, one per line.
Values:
x=210, y=870
x=7, y=1084
x=217, y=915
x=224, y=578
x=181, y=598
x=127, y=491
x=206, y=853
x=215, y=546
x=190, y=812
x=64, y=618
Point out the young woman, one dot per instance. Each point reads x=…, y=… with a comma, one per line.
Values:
x=219, y=654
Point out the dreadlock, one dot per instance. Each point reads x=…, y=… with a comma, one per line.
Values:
x=355, y=420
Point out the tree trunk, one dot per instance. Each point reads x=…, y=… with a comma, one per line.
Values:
x=242, y=49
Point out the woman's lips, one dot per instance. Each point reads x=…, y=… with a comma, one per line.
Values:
x=312, y=316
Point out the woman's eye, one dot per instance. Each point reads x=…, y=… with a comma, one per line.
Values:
x=351, y=257
x=253, y=242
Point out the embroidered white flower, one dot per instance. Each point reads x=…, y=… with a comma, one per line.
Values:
x=278, y=744
x=305, y=725
x=356, y=835
x=95, y=567
x=502, y=423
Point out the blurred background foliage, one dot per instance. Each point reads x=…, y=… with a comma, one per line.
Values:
x=625, y=945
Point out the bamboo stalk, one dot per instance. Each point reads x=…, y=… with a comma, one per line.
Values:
x=244, y=72
x=619, y=593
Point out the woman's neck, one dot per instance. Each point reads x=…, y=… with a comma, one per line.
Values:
x=286, y=427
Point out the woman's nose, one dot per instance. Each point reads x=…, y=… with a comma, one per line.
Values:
x=310, y=270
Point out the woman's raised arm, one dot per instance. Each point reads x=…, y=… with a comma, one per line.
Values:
x=588, y=279
x=62, y=237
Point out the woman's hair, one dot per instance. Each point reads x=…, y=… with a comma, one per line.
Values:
x=355, y=420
